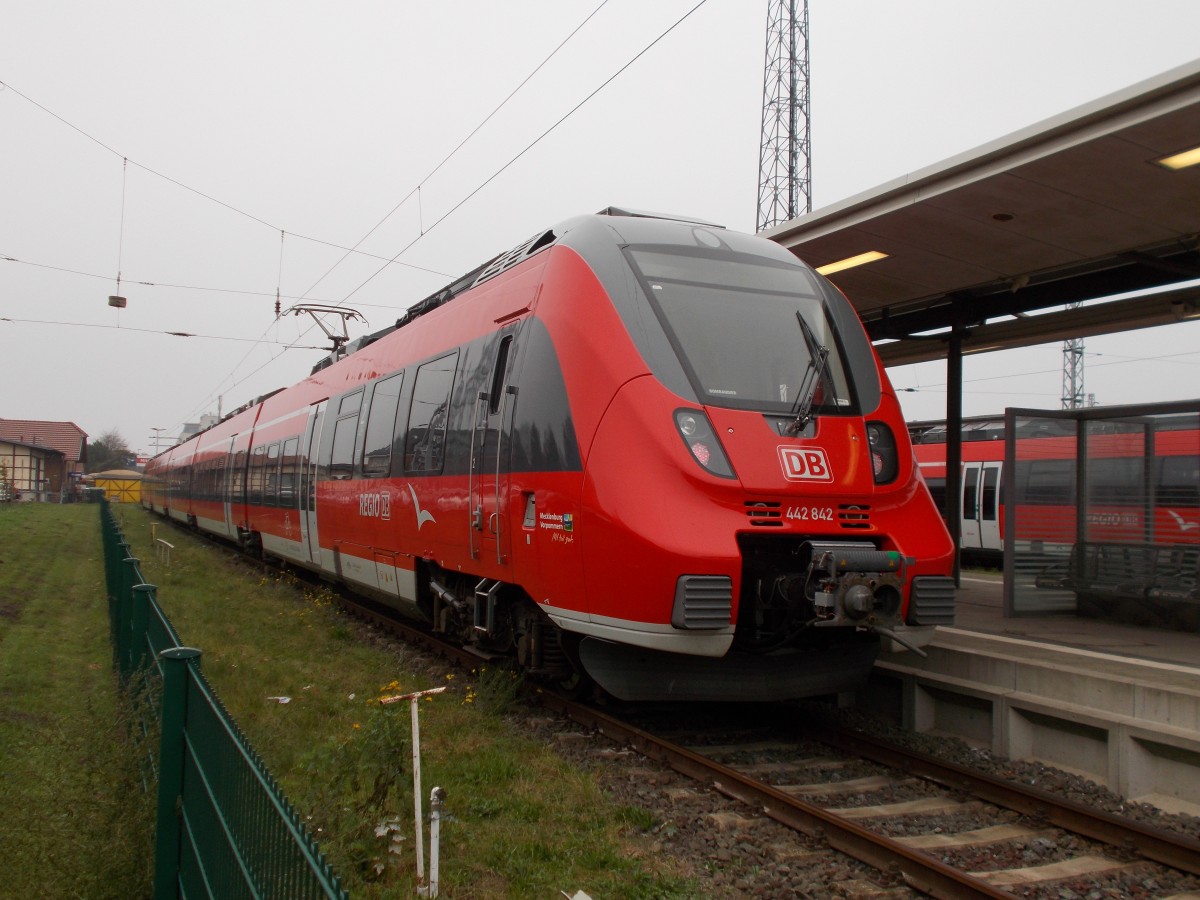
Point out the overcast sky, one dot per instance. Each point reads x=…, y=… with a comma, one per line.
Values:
x=173, y=143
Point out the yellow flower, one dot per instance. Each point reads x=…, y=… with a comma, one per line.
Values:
x=357, y=726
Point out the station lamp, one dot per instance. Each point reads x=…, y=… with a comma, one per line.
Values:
x=1181, y=160
x=851, y=261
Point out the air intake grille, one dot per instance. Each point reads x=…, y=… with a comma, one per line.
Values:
x=854, y=516
x=514, y=256
x=932, y=601
x=764, y=514
x=703, y=602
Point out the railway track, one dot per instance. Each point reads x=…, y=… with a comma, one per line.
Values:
x=853, y=812
x=837, y=810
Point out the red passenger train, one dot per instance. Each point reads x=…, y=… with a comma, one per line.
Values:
x=1133, y=494
x=647, y=451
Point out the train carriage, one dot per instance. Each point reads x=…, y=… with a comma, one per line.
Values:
x=651, y=451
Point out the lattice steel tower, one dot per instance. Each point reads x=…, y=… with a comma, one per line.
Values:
x=1072, y=385
x=784, y=168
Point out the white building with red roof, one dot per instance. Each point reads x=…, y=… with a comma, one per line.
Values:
x=55, y=470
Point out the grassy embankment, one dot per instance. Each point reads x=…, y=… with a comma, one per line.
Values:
x=520, y=822
x=74, y=820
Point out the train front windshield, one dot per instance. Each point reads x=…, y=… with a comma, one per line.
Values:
x=733, y=319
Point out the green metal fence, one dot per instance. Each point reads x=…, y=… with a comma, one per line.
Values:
x=225, y=830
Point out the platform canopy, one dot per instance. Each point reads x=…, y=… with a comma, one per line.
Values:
x=1079, y=207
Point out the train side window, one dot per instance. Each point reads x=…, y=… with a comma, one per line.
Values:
x=341, y=464
x=350, y=403
x=381, y=424
x=254, y=490
x=1179, y=481
x=288, y=465
x=237, y=481
x=937, y=490
x=1115, y=481
x=218, y=484
x=991, y=478
x=271, y=476
x=970, y=505
x=498, y=374
x=1051, y=482
x=425, y=446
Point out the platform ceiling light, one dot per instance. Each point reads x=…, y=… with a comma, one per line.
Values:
x=1181, y=160
x=851, y=261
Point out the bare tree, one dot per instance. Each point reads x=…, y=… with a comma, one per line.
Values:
x=109, y=451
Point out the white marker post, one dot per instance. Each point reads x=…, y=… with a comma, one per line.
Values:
x=415, y=698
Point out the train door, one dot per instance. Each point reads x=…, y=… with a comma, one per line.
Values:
x=227, y=482
x=970, y=533
x=489, y=453
x=990, y=497
x=308, y=482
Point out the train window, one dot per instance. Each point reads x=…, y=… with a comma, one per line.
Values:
x=1115, y=481
x=381, y=424
x=1179, y=481
x=341, y=466
x=424, y=447
x=970, y=506
x=218, y=482
x=498, y=375
x=350, y=403
x=254, y=490
x=1050, y=482
x=937, y=490
x=238, y=479
x=288, y=466
x=271, y=476
x=991, y=479
x=732, y=321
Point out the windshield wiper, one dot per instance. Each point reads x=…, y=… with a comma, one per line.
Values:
x=818, y=356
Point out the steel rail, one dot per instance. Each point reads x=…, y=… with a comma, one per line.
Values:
x=1179, y=851
x=919, y=870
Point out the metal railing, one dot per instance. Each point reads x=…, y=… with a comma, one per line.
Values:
x=225, y=829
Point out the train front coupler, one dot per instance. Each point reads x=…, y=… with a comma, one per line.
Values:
x=851, y=583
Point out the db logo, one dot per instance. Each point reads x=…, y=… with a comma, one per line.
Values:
x=805, y=464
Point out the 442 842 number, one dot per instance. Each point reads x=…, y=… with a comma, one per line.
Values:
x=810, y=513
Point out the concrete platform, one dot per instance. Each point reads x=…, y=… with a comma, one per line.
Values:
x=1118, y=704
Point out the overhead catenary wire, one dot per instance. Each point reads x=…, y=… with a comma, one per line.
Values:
x=279, y=273
x=185, y=287
x=287, y=345
x=498, y=172
x=425, y=230
x=528, y=147
x=474, y=131
x=182, y=185
x=121, y=232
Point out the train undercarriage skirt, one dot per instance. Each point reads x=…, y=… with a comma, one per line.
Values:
x=637, y=674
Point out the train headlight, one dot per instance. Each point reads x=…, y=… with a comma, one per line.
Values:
x=701, y=441
x=885, y=461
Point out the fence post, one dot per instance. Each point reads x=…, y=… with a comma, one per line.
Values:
x=115, y=550
x=143, y=595
x=176, y=669
x=129, y=577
